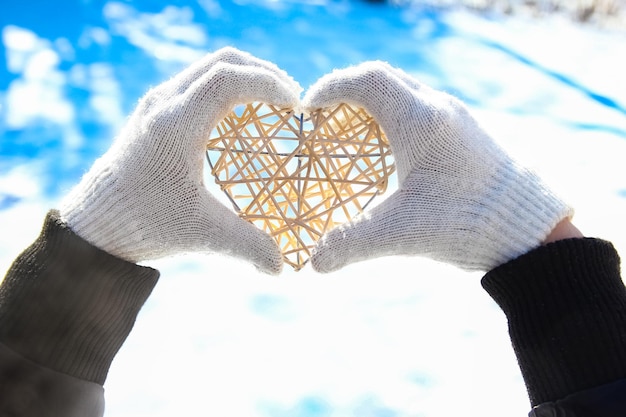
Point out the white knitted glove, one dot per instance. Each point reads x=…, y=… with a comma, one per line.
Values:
x=145, y=197
x=461, y=199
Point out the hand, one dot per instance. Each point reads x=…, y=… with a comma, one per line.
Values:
x=145, y=197
x=461, y=199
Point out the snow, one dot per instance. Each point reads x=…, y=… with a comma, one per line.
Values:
x=392, y=337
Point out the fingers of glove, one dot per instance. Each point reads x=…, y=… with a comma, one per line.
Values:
x=425, y=94
x=371, y=85
x=228, y=55
x=400, y=108
x=224, y=232
x=380, y=232
x=409, y=80
x=214, y=94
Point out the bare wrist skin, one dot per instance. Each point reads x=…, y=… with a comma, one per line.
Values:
x=564, y=230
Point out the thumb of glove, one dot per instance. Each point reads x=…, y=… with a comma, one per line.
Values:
x=375, y=233
x=220, y=230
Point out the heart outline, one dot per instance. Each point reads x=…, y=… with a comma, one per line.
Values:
x=288, y=163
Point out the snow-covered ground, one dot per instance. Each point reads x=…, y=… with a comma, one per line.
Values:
x=385, y=338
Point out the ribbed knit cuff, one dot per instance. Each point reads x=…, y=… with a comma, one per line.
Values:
x=517, y=211
x=566, y=307
x=69, y=306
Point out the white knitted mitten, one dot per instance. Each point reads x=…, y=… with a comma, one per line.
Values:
x=145, y=197
x=461, y=199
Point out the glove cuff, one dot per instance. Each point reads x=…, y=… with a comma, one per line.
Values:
x=99, y=212
x=514, y=213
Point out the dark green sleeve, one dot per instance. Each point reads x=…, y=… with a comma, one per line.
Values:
x=28, y=389
x=66, y=308
x=566, y=308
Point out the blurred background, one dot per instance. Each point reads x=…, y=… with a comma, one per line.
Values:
x=392, y=337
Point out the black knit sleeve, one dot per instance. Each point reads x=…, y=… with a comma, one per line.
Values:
x=69, y=306
x=566, y=308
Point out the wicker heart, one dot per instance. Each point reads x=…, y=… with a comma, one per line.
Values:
x=297, y=177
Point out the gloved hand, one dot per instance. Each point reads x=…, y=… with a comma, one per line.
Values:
x=145, y=197
x=461, y=199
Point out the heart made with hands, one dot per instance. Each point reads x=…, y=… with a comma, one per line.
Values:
x=297, y=176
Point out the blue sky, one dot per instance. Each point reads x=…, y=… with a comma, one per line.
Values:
x=136, y=45
x=372, y=340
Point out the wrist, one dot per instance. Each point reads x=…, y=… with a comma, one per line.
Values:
x=564, y=230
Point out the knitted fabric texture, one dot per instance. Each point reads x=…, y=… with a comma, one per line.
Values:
x=461, y=199
x=69, y=306
x=146, y=199
x=566, y=307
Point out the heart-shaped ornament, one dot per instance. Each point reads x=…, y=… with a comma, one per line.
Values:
x=297, y=177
